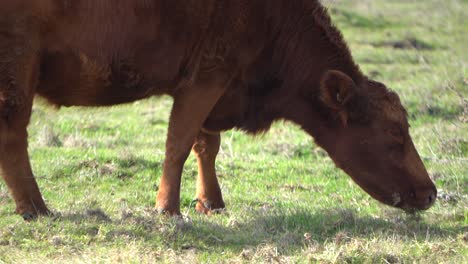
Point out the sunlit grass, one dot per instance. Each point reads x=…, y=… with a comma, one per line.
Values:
x=99, y=169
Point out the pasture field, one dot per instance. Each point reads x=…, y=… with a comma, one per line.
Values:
x=99, y=169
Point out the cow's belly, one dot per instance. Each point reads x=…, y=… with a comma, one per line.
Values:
x=71, y=78
x=230, y=110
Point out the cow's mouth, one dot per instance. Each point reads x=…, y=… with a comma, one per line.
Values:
x=396, y=197
x=398, y=202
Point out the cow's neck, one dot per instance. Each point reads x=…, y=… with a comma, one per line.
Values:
x=305, y=51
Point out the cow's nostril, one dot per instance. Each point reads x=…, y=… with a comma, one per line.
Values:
x=423, y=198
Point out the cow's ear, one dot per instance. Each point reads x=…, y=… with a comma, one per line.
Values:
x=336, y=89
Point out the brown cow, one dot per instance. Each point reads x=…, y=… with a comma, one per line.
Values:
x=227, y=64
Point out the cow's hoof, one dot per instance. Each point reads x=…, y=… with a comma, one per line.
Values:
x=27, y=216
x=30, y=215
x=209, y=207
x=163, y=211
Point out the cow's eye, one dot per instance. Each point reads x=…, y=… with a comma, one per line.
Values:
x=396, y=134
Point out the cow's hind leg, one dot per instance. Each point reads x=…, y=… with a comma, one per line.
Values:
x=16, y=169
x=209, y=197
x=19, y=66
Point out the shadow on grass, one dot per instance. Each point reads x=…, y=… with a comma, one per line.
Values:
x=290, y=231
x=294, y=230
x=418, y=112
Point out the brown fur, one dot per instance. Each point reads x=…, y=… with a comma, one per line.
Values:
x=228, y=64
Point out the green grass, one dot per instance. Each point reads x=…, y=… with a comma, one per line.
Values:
x=99, y=169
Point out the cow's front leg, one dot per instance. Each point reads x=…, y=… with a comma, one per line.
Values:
x=191, y=107
x=209, y=197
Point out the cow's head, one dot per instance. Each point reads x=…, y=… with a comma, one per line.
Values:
x=370, y=141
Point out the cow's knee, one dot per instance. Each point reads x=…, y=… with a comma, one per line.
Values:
x=206, y=146
x=15, y=110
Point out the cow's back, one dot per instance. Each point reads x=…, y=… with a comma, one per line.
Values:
x=109, y=29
